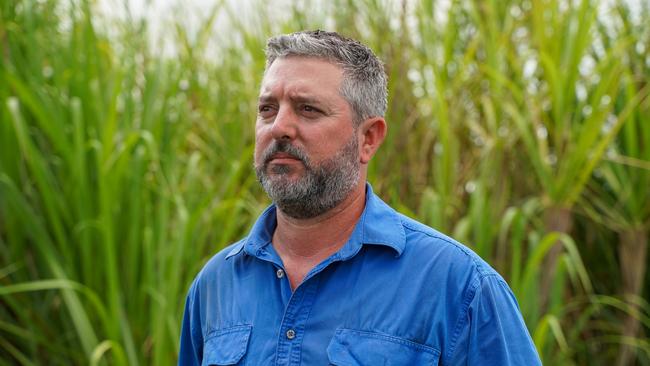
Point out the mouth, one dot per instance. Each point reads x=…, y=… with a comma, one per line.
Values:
x=282, y=158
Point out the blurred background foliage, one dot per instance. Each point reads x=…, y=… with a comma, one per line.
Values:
x=521, y=127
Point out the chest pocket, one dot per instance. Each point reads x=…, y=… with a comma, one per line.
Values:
x=226, y=346
x=358, y=348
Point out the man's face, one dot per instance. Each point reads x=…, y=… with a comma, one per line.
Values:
x=306, y=151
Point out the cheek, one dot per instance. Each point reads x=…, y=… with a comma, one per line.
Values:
x=259, y=149
x=257, y=153
x=263, y=132
x=262, y=141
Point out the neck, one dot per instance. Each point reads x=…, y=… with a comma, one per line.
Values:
x=304, y=243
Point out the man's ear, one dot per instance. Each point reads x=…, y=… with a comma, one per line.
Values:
x=373, y=132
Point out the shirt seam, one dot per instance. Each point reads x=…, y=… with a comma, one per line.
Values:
x=214, y=333
x=191, y=296
x=307, y=315
x=402, y=341
x=462, y=317
x=461, y=320
x=477, y=265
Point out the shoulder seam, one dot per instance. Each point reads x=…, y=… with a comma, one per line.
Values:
x=469, y=297
x=460, y=321
x=479, y=268
x=194, y=288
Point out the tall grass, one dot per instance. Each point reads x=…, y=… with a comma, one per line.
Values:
x=520, y=127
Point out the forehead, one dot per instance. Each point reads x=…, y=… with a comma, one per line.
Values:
x=301, y=75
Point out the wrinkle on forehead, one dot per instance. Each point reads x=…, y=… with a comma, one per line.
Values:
x=306, y=80
x=307, y=69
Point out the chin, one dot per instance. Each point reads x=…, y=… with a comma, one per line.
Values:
x=284, y=170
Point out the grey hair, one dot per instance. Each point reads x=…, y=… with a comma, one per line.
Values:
x=364, y=84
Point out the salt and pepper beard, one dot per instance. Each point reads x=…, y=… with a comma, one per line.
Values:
x=322, y=186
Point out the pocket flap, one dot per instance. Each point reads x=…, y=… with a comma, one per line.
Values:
x=358, y=348
x=226, y=346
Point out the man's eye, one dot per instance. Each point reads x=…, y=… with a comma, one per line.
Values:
x=310, y=109
x=264, y=109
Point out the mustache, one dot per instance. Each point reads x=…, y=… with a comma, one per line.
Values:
x=284, y=147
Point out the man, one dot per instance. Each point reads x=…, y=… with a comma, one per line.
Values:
x=330, y=274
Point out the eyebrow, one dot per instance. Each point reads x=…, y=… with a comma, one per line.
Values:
x=305, y=99
x=267, y=98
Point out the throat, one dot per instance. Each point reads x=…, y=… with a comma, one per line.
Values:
x=301, y=255
x=303, y=244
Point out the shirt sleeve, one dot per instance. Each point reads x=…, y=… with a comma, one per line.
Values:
x=191, y=349
x=492, y=331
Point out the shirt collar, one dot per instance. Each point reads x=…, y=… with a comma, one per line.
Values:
x=379, y=224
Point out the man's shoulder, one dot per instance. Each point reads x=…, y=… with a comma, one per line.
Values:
x=425, y=241
x=216, y=263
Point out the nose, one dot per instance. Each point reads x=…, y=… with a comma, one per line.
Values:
x=285, y=124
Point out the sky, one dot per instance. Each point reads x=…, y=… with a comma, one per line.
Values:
x=163, y=14
x=160, y=14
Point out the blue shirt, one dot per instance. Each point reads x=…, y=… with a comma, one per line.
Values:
x=397, y=293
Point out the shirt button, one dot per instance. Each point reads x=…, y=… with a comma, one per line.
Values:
x=291, y=334
x=279, y=273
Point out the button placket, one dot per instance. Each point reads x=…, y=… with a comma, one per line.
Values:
x=293, y=324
